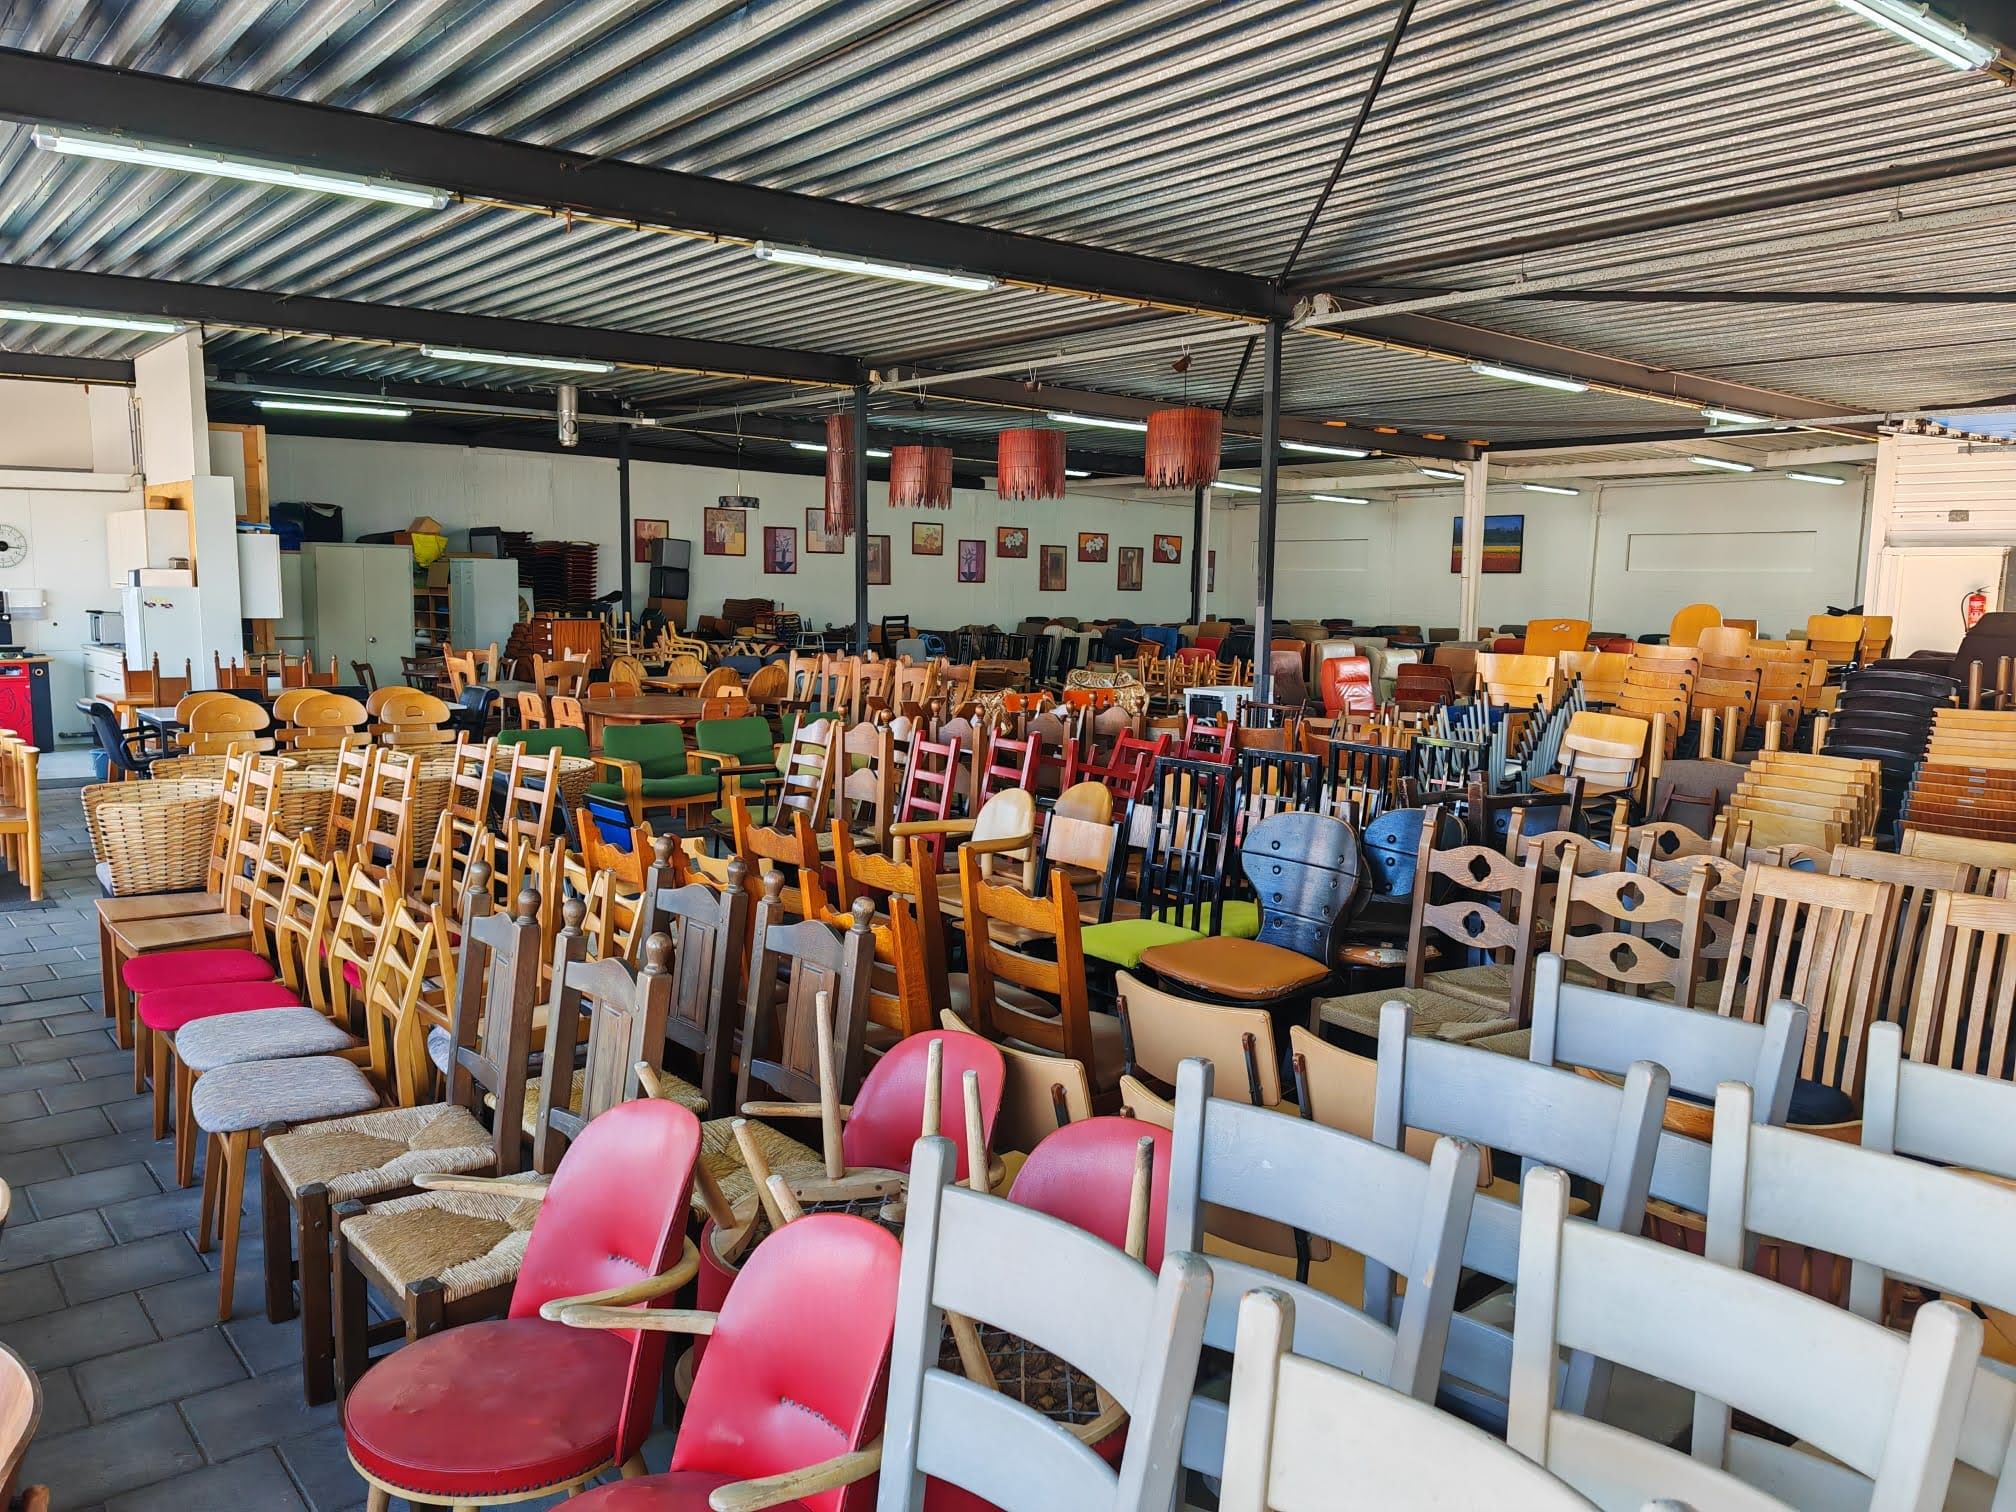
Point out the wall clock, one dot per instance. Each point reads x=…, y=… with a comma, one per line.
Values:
x=13, y=546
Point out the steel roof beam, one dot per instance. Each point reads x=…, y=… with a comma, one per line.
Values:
x=38, y=87
x=1372, y=293
x=74, y=369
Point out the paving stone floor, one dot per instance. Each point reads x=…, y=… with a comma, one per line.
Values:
x=149, y=1403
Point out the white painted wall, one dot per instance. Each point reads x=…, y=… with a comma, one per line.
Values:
x=1625, y=554
x=383, y=485
x=64, y=521
x=45, y=425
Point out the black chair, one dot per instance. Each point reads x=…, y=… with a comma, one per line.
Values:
x=1364, y=779
x=1178, y=888
x=1269, y=782
x=1488, y=816
x=130, y=753
x=1390, y=846
x=471, y=712
x=366, y=674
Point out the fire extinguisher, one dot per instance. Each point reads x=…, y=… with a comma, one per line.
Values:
x=1973, y=607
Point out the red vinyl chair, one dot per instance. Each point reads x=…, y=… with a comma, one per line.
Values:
x=1347, y=686
x=790, y=1385
x=523, y=1406
x=888, y=1112
x=1084, y=1175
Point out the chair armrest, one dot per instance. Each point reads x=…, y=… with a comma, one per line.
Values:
x=657, y=1319
x=726, y=765
x=629, y=774
x=933, y=827
x=788, y=1110
x=796, y=1485
x=687, y=1267
x=1000, y=845
x=522, y=1188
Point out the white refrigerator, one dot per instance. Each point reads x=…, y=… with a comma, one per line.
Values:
x=165, y=622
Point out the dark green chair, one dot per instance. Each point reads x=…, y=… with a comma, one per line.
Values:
x=748, y=748
x=652, y=770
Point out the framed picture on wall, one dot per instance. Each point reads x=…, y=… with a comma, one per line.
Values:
x=1169, y=550
x=780, y=548
x=644, y=538
x=927, y=540
x=972, y=561
x=726, y=532
x=1091, y=545
x=1050, y=570
x=1010, y=541
x=1504, y=544
x=878, y=561
x=819, y=541
x=1130, y=568
x=1210, y=572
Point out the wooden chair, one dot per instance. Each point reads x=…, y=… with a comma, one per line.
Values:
x=1039, y=1095
x=1918, y=881
x=324, y=721
x=1630, y=931
x=864, y=788
x=21, y=814
x=1606, y=751
x=1293, y=1418
x=910, y=980
x=226, y=726
x=791, y=966
x=531, y=711
x=709, y=935
x=1964, y=996
x=1835, y=637
x=566, y=712
x=1160, y=1031
x=1516, y=682
x=231, y=676
x=1884, y=1406
x=1138, y=1336
x=565, y=676
x=1408, y=1218
x=930, y=784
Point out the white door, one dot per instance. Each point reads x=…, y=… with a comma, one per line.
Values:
x=1927, y=587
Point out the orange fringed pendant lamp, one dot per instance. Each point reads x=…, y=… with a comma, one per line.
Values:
x=839, y=474
x=1183, y=447
x=1029, y=464
x=920, y=477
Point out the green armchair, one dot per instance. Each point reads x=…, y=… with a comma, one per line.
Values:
x=653, y=770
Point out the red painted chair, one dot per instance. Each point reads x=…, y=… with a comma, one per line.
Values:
x=930, y=783
x=523, y=1406
x=1205, y=741
x=1006, y=764
x=1084, y=1174
x=789, y=1390
x=1126, y=769
x=1347, y=686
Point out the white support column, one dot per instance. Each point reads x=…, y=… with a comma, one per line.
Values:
x=1474, y=485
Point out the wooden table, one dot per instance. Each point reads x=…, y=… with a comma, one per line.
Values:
x=647, y=708
x=509, y=687
x=676, y=682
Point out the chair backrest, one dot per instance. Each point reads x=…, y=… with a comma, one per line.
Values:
x=1085, y=1172
x=709, y=931
x=1294, y=1421
x=490, y=1027
x=615, y=1213
x=1408, y=1218
x=1919, y=881
x=625, y=1015
x=1160, y=1031
x=1181, y=828
x=1645, y=935
x=888, y=1111
x=865, y=792
x=531, y=793
x=1305, y=870
x=1690, y=621
x=1601, y=1132
x=1059, y=975
x=1347, y=686
x=780, y=1033
x=1965, y=1001
x=793, y=1369
x=1886, y=1407
x=1475, y=898
x=994, y=1262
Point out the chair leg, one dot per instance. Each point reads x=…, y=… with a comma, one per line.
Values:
x=236, y=1147
x=185, y=1126
x=351, y=1318
x=159, y=1058
x=311, y=1240
x=274, y=1229
x=377, y=1499
x=119, y=1002
x=143, y=1054
x=213, y=1176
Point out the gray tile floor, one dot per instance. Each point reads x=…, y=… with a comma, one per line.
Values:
x=149, y=1403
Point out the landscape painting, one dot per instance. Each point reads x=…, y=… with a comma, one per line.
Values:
x=1504, y=544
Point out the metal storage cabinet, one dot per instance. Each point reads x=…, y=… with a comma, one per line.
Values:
x=482, y=601
x=357, y=605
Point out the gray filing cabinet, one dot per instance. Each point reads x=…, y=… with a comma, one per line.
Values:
x=357, y=605
x=482, y=601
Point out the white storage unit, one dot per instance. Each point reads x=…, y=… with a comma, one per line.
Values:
x=357, y=605
x=259, y=595
x=482, y=601
x=143, y=538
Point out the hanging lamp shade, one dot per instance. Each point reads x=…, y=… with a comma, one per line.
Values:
x=839, y=474
x=920, y=477
x=1183, y=447
x=1029, y=464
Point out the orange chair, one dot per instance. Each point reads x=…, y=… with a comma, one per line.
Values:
x=1347, y=686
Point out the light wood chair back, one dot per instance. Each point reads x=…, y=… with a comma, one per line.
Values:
x=1041, y=1094
x=566, y=712
x=1516, y=682
x=532, y=712
x=626, y=1016
x=323, y=721
x=1601, y=673
x=708, y=932
x=1492, y=905
x=808, y=767
x=1551, y=637
x=1160, y=1031
x=563, y=676
x=1965, y=997
x=1690, y=621
x=409, y=717
x=909, y=977
x=1835, y=637
x=991, y=961
x=226, y=725
x=1918, y=881
x=864, y=794
x=1631, y=931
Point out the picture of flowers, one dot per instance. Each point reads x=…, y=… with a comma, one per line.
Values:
x=927, y=540
x=1169, y=549
x=819, y=541
x=1010, y=541
x=878, y=561
x=1130, y=568
x=780, y=548
x=644, y=537
x=1050, y=570
x=972, y=561
x=1091, y=545
x=1504, y=544
x=726, y=532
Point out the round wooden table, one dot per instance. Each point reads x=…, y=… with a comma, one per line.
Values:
x=646, y=708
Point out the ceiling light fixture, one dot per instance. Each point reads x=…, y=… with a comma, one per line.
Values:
x=94, y=322
x=1236, y=487
x=331, y=407
x=115, y=149
x=1806, y=477
x=1723, y=463
x=1916, y=24
x=513, y=359
x=1716, y=416
x=1076, y=472
x=1441, y=472
x=1063, y=417
x=1520, y=375
x=1340, y=498
x=1325, y=451
x=831, y=262
x=814, y=446
x=1550, y=488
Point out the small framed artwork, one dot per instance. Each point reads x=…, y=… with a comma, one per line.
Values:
x=1091, y=545
x=780, y=548
x=1050, y=570
x=819, y=541
x=972, y=561
x=1010, y=542
x=644, y=538
x=1211, y=572
x=1504, y=544
x=1169, y=550
x=727, y=532
x=878, y=561
x=927, y=540
x=1130, y=568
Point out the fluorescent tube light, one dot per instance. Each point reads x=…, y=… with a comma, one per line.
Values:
x=805, y=257
x=1806, y=477
x=1723, y=463
x=1917, y=25
x=1440, y=472
x=1236, y=487
x=95, y=322
x=1324, y=451
x=1076, y=472
x=814, y=446
x=1716, y=416
x=114, y=149
x=512, y=359
x=1520, y=375
x=1551, y=488
x=331, y=407
x=1064, y=418
x=1340, y=498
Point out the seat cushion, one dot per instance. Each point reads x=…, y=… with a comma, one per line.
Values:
x=678, y=1491
x=252, y=1095
x=194, y=968
x=693, y=785
x=1435, y=1013
x=1238, y=918
x=1244, y=971
x=170, y=1008
x=259, y=1034
x=1123, y=941
x=677, y=1089
x=378, y=1151
x=468, y=1241
x=489, y=1408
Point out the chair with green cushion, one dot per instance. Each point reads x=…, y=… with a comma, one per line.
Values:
x=652, y=770
x=539, y=742
x=746, y=748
